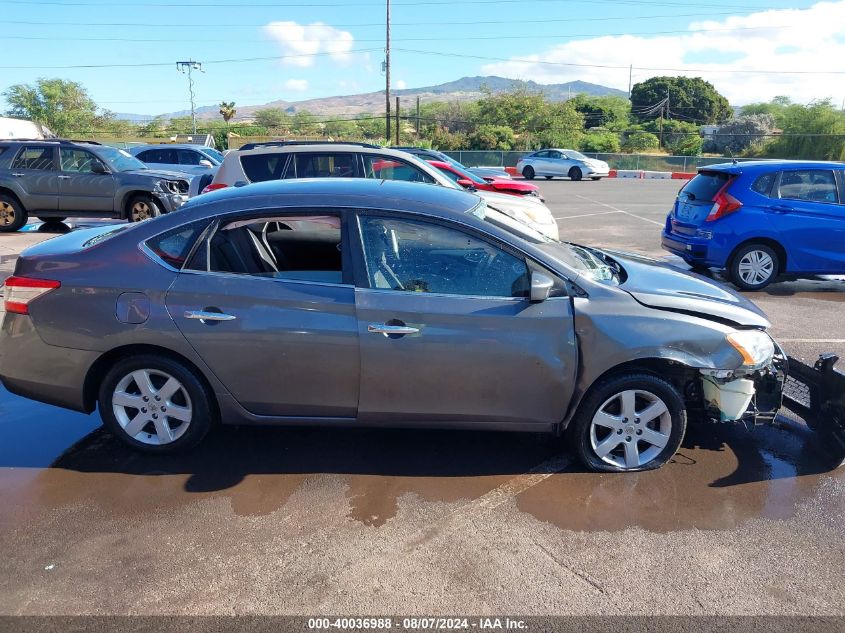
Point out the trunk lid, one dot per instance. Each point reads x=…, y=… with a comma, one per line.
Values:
x=696, y=199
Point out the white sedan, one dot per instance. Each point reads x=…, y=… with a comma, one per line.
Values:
x=561, y=162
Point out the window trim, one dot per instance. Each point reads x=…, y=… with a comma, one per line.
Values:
x=293, y=158
x=347, y=272
x=362, y=279
x=430, y=180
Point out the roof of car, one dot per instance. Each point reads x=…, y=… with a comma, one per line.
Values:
x=339, y=192
x=169, y=146
x=318, y=147
x=754, y=165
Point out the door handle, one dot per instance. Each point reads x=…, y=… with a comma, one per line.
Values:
x=781, y=208
x=203, y=316
x=64, y=177
x=387, y=330
x=18, y=175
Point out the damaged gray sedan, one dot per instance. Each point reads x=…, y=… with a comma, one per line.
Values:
x=350, y=302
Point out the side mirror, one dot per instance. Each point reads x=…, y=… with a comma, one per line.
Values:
x=98, y=168
x=541, y=286
x=205, y=163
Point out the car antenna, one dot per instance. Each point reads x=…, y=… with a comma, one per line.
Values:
x=731, y=155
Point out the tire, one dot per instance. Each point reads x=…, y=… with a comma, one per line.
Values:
x=48, y=220
x=123, y=405
x=595, y=177
x=528, y=173
x=601, y=430
x=12, y=214
x=754, y=266
x=575, y=174
x=142, y=208
x=548, y=177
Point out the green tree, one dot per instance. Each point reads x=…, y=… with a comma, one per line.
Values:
x=815, y=131
x=498, y=137
x=227, y=110
x=600, y=141
x=274, y=119
x=640, y=142
x=608, y=112
x=342, y=129
x=691, y=99
x=305, y=124
x=675, y=134
x=63, y=106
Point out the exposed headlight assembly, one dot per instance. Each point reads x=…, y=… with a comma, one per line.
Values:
x=755, y=346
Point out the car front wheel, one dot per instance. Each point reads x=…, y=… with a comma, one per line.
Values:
x=142, y=208
x=629, y=423
x=754, y=267
x=575, y=173
x=155, y=404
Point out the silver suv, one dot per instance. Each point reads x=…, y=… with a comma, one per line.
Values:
x=55, y=179
x=284, y=160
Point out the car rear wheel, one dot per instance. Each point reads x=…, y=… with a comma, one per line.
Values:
x=595, y=178
x=142, y=208
x=575, y=173
x=155, y=404
x=548, y=177
x=629, y=423
x=754, y=267
x=12, y=215
x=528, y=173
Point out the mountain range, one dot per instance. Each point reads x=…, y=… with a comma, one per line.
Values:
x=463, y=89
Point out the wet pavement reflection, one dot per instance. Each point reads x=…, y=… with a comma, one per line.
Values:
x=723, y=475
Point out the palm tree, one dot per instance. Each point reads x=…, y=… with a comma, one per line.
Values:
x=227, y=111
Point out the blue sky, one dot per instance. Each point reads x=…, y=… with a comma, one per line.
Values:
x=527, y=39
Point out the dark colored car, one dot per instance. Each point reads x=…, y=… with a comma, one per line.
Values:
x=760, y=219
x=55, y=179
x=357, y=302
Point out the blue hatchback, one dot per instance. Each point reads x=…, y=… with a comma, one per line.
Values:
x=760, y=219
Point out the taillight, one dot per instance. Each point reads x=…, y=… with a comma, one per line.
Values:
x=723, y=203
x=21, y=291
x=213, y=187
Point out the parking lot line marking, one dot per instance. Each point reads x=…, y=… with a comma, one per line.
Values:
x=608, y=206
x=811, y=340
x=584, y=215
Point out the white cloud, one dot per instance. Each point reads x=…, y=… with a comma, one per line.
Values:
x=813, y=40
x=296, y=85
x=303, y=41
x=401, y=85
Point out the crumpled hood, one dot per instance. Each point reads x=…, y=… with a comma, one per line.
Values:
x=660, y=285
x=531, y=206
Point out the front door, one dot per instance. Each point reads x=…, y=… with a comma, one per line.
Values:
x=81, y=189
x=810, y=218
x=267, y=308
x=448, y=335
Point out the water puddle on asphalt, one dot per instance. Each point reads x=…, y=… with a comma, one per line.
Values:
x=722, y=476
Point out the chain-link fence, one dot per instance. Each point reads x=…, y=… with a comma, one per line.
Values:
x=646, y=162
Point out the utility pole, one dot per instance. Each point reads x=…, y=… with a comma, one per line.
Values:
x=188, y=67
x=397, y=120
x=418, y=116
x=630, y=77
x=387, y=78
x=666, y=106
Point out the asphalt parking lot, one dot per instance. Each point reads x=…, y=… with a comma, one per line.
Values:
x=326, y=521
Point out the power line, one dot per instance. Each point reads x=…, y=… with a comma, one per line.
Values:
x=379, y=24
x=663, y=3
x=534, y=36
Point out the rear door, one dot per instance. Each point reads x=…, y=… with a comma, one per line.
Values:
x=269, y=306
x=34, y=170
x=810, y=218
x=80, y=188
x=447, y=333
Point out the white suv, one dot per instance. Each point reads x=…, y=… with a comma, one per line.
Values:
x=258, y=162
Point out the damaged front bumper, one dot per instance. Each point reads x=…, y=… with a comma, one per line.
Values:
x=750, y=396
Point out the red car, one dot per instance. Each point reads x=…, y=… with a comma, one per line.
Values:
x=470, y=181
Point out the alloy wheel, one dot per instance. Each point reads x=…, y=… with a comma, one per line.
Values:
x=140, y=211
x=152, y=407
x=756, y=267
x=630, y=429
x=7, y=214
